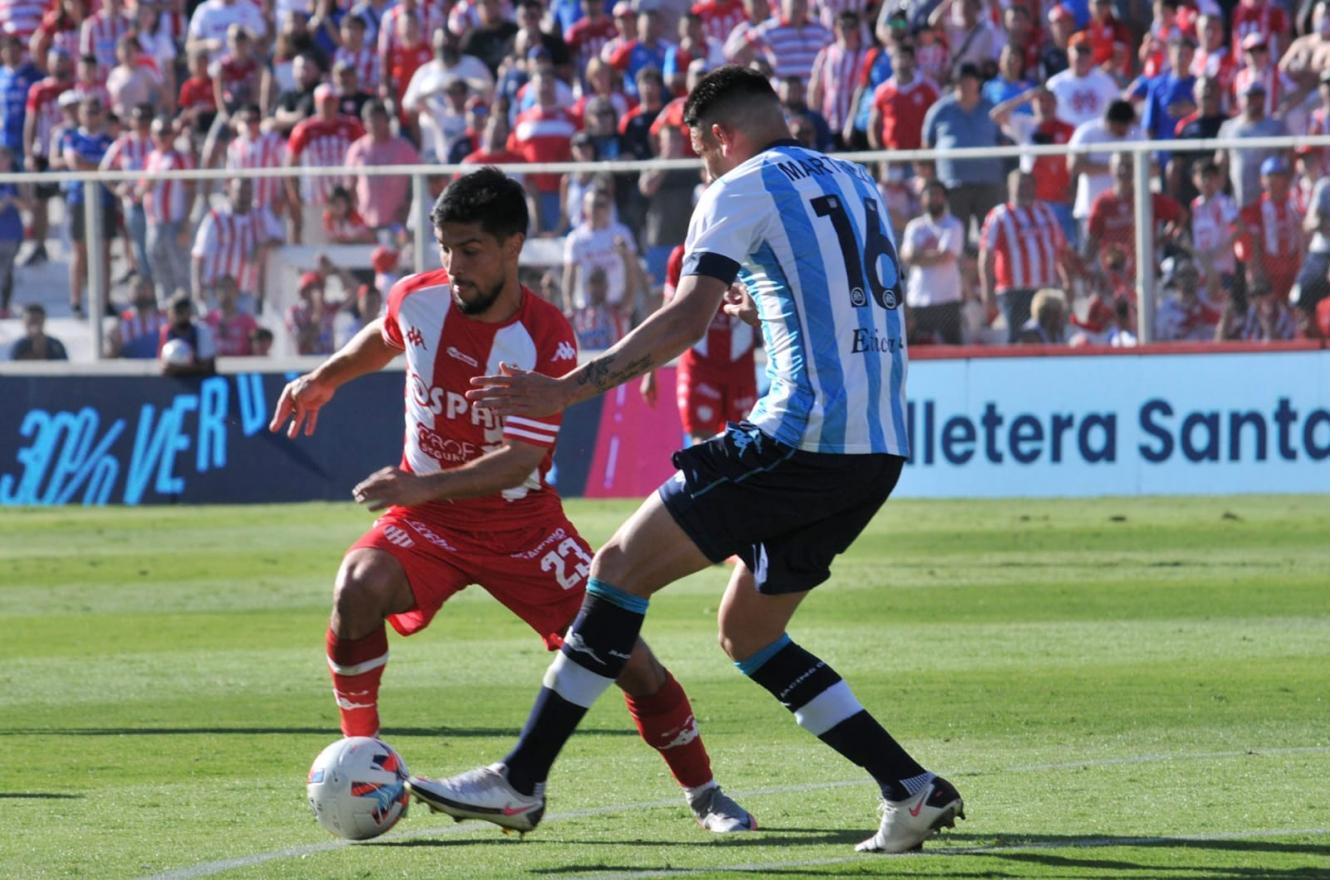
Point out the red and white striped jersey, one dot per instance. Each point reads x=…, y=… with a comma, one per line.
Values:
x=21, y=17
x=227, y=243
x=1261, y=17
x=167, y=201
x=728, y=346
x=100, y=33
x=315, y=143
x=836, y=69
x=1278, y=224
x=1213, y=228
x=128, y=153
x=268, y=150
x=430, y=13
x=791, y=49
x=43, y=108
x=587, y=39
x=1026, y=242
x=1277, y=86
x=444, y=350
x=366, y=63
x=542, y=135
x=720, y=17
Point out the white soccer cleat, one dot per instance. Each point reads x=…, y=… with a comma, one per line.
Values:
x=481, y=794
x=908, y=823
x=717, y=812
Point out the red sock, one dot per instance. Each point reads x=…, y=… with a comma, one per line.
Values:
x=356, y=666
x=665, y=720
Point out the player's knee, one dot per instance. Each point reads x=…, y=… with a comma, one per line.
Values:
x=740, y=642
x=610, y=564
x=364, y=589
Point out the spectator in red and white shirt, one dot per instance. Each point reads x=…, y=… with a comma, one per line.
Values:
x=166, y=204
x=356, y=50
x=138, y=330
x=429, y=15
x=237, y=73
x=900, y=104
x=1111, y=227
x=232, y=329
x=1271, y=231
x=1052, y=178
x=1214, y=59
x=230, y=242
x=1185, y=316
x=599, y=83
x=1021, y=249
x=342, y=223
x=1261, y=70
x=544, y=134
x=1262, y=19
x=100, y=33
x=21, y=18
x=836, y=72
x=130, y=152
x=319, y=142
x=1105, y=31
x=59, y=29
x=1214, y=217
x=720, y=17
x=383, y=201
x=792, y=40
x=625, y=30
x=252, y=147
x=404, y=56
x=589, y=34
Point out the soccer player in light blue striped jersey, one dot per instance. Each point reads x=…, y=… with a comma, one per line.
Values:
x=786, y=491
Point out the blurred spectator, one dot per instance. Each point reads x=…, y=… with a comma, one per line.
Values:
x=230, y=242
x=11, y=231
x=1213, y=230
x=367, y=306
x=743, y=43
x=130, y=82
x=1010, y=80
x=35, y=344
x=597, y=324
x=529, y=16
x=544, y=134
x=431, y=80
x=1271, y=231
x=255, y=148
x=574, y=186
x=384, y=261
x=971, y=37
x=836, y=73
x=342, y=220
x=672, y=112
x=296, y=104
x=261, y=342
x=1091, y=170
x=167, y=205
x=404, y=55
x=138, y=329
x=319, y=142
x=351, y=98
x=790, y=89
x=101, y=32
x=1048, y=319
x=383, y=200
x=635, y=127
x=237, y=74
x=1111, y=226
x=1054, y=55
x=197, y=103
x=1201, y=124
x=1106, y=33
x=961, y=119
x=90, y=81
x=720, y=17
x=693, y=45
x=1021, y=249
x=669, y=196
x=1244, y=165
x=477, y=114
x=1268, y=318
x=1169, y=96
x=900, y=105
x=130, y=152
x=599, y=83
x=931, y=247
x=1183, y=315
x=597, y=242
x=1052, y=179
x=42, y=115
x=589, y=34
x=1083, y=90
x=354, y=49
x=83, y=149
x=212, y=19
x=442, y=120
x=646, y=50
x=311, y=320
x=17, y=77
x=489, y=39
x=1261, y=19
x=1313, y=283
x=426, y=16
x=197, y=336
x=1214, y=59
x=549, y=287
x=232, y=328
x=1309, y=55
x=1259, y=69
x=792, y=40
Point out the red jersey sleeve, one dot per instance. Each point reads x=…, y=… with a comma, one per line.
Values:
x=392, y=331
x=556, y=354
x=673, y=271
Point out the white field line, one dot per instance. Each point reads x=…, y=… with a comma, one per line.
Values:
x=209, y=869
x=1081, y=843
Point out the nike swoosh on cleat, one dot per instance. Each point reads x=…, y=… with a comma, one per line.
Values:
x=516, y=811
x=914, y=811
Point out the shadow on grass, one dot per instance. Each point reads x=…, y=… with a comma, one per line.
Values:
x=387, y=733
x=39, y=796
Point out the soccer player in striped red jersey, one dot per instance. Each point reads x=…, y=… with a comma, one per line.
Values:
x=470, y=502
x=255, y=148
x=717, y=379
x=319, y=142
x=1021, y=249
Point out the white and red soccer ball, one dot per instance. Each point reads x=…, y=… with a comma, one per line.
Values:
x=357, y=788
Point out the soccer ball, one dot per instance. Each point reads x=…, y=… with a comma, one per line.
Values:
x=178, y=352
x=357, y=788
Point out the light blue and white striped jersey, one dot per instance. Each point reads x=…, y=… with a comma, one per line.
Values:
x=809, y=237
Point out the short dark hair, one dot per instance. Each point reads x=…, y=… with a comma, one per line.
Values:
x=34, y=310
x=373, y=107
x=488, y=197
x=1120, y=112
x=724, y=90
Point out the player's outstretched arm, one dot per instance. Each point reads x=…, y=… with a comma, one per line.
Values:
x=655, y=342
x=506, y=467
x=304, y=396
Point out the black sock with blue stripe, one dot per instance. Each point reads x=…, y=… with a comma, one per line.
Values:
x=594, y=653
x=824, y=705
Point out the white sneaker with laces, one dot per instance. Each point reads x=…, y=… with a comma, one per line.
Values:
x=481, y=794
x=906, y=824
x=717, y=812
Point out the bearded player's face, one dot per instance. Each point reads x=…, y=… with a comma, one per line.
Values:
x=478, y=264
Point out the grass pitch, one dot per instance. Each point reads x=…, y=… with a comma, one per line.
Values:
x=1126, y=688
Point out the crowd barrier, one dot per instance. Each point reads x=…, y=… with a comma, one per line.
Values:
x=1047, y=423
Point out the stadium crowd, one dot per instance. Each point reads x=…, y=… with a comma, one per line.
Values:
x=1035, y=250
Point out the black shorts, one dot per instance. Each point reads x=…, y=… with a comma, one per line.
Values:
x=78, y=222
x=43, y=190
x=785, y=512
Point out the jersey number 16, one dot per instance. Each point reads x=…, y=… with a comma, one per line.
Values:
x=876, y=247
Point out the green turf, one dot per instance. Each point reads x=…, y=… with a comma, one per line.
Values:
x=1133, y=688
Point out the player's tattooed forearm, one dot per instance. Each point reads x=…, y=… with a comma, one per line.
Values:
x=603, y=373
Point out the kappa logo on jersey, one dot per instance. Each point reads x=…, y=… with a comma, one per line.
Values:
x=458, y=355
x=398, y=537
x=565, y=352
x=415, y=337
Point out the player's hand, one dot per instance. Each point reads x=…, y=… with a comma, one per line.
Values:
x=391, y=486
x=648, y=388
x=300, y=402
x=738, y=304
x=517, y=392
